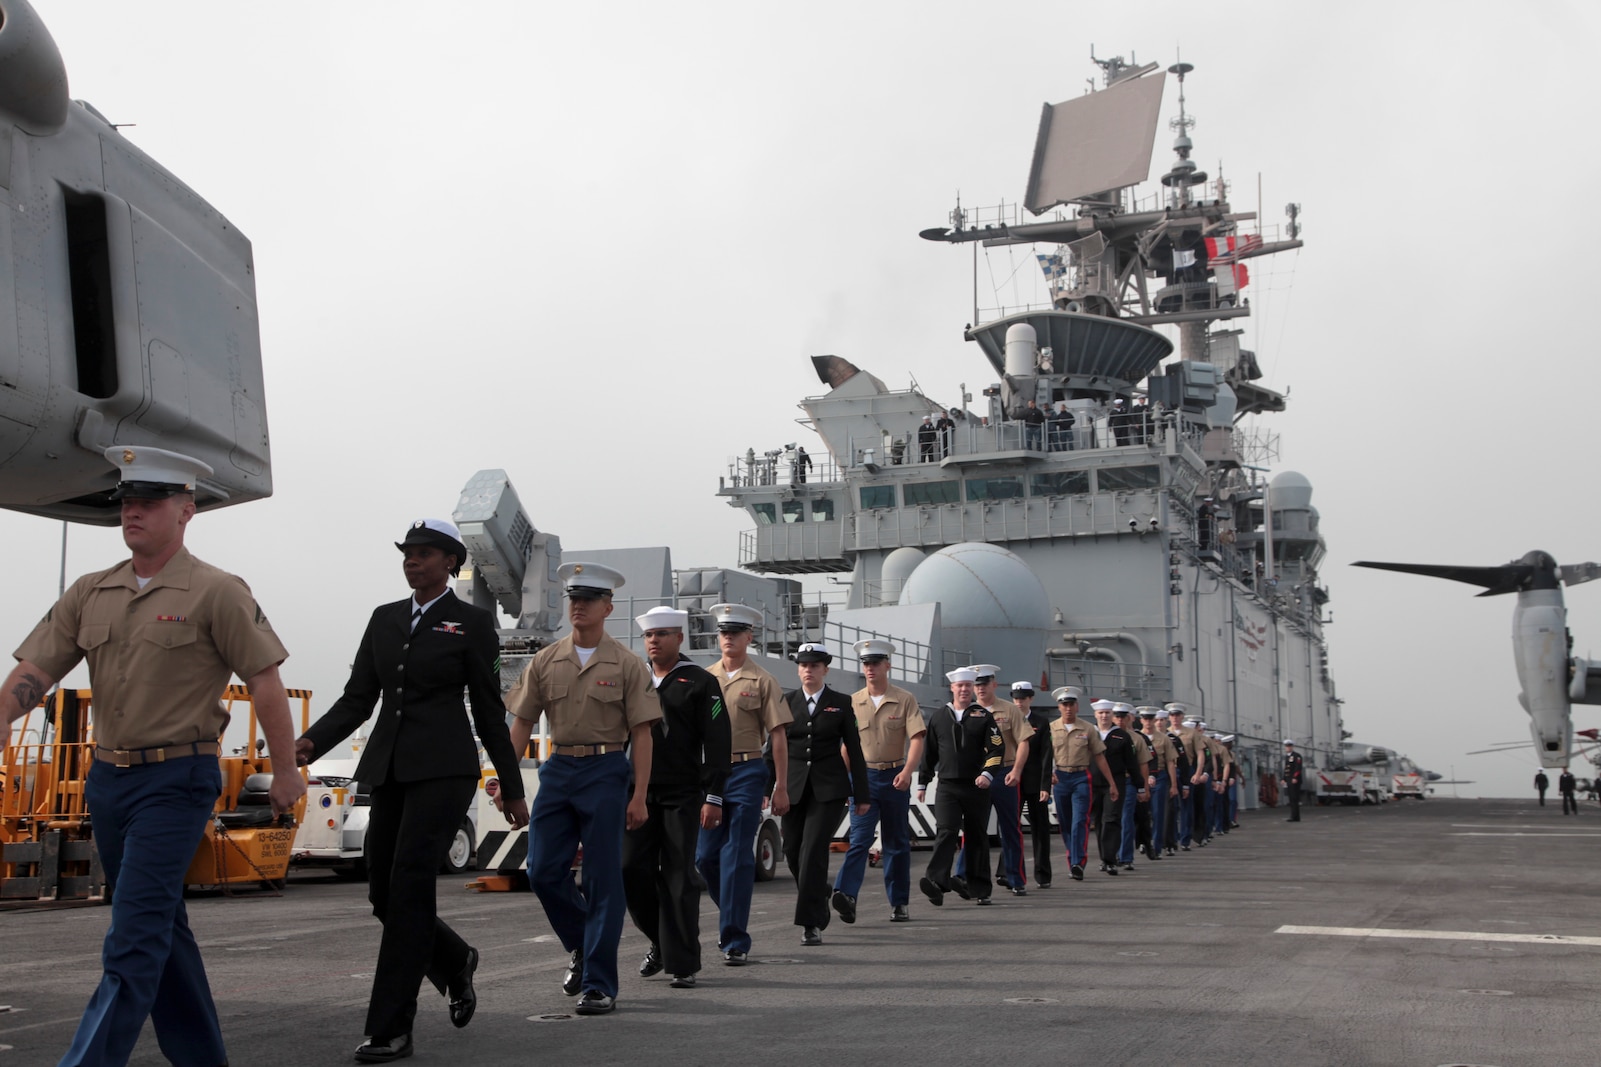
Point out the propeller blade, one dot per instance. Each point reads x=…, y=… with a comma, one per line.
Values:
x=1579, y=573
x=1507, y=578
x=1502, y=748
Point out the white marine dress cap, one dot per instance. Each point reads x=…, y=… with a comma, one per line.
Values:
x=589, y=579
x=985, y=670
x=731, y=618
x=873, y=647
x=150, y=473
x=1067, y=692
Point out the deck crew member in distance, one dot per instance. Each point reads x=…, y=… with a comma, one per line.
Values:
x=688, y=766
x=600, y=701
x=756, y=711
x=416, y=659
x=162, y=633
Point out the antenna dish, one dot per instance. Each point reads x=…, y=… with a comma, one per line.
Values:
x=1181, y=69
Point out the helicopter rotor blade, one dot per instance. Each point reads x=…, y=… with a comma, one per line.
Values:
x=1579, y=573
x=1507, y=578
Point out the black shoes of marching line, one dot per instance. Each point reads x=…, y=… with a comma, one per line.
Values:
x=845, y=904
x=982, y=900
x=683, y=981
x=594, y=1002
x=959, y=887
x=1128, y=866
x=652, y=963
x=735, y=958
x=1109, y=868
x=1077, y=873
x=935, y=895
x=393, y=1048
x=900, y=913
x=811, y=935
x=463, y=1001
x=573, y=981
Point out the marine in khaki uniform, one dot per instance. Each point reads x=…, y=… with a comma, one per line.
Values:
x=1004, y=794
x=891, y=726
x=1192, y=815
x=1163, y=782
x=162, y=634
x=1136, y=801
x=599, y=699
x=1075, y=747
x=726, y=854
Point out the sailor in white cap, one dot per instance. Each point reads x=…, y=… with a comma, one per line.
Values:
x=1163, y=782
x=162, y=633
x=601, y=702
x=1034, y=783
x=1294, y=776
x=419, y=661
x=688, y=766
x=1003, y=793
x=1136, y=798
x=927, y=437
x=1206, y=802
x=826, y=769
x=963, y=749
x=1227, y=785
x=726, y=854
x=891, y=728
x=1076, y=747
x=1106, y=806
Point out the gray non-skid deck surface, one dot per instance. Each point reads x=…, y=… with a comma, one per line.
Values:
x=1184, y=960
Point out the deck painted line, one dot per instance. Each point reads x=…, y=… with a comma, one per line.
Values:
x=1440, y=935
x=1514, y=833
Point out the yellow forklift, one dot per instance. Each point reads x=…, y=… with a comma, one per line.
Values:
x=47, y=850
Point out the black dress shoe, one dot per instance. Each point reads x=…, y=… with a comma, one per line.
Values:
x=463, y=1001
x=651, y=964
x=683, y=981
x=959, y=886
x=375, y=1051
x=735, y=958
x=1078, y=873
x=1019, y=891
x=845, y=904
x=900, y=913
x=935, y=895
x=573, y=980
x=594, y=1002
x=827, y=918
x=1109, y=868
x=982, y=900
x=812, y=936
x=1042, y=885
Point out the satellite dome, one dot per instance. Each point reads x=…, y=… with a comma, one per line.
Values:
x=991, y=605
x=899, y=564
x=1291, y=491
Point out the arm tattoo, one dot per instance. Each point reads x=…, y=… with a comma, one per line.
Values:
x=28, y=691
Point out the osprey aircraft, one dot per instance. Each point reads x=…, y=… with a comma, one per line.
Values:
x=1551, y=678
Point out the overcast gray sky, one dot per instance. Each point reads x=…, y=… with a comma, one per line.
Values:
x=594, y=245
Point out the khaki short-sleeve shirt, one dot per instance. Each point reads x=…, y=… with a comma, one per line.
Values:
x=755, y=705
x=159, y=657
x=1167, y=757
x=887, y=729
x=596, y=703
x=1008, y=719
x=1075, y=747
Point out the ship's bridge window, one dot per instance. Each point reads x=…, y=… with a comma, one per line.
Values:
x=916, y=493
x=1109, y=479
x=823, y=509
x=766, y=514
x=1059, y=483
x=878, y=496
x=794, y=511
x=994, y=488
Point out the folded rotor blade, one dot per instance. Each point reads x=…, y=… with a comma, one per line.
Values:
x=1507, y=578
x=1578, y=573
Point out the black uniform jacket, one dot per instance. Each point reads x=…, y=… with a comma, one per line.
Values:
x=961, y=751
x=690, y=742
x=417, y=679
x=1119, y=759
x=814, y=742
x=1037, y=771
x=1293, y=772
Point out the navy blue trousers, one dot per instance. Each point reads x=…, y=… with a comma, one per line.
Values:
x=148, y=821
x=893, y=806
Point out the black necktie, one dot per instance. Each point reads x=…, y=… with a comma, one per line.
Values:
x=416, y=616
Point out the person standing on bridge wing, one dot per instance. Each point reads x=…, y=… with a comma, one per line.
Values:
x=964, y=750
x=1294, y=773
x=416, y=659
x=1003, y=793
x=1541, y=784
x=726, y=854
x=891, y=727
x=1567, y=785
x=826, y=769
x=600, y=701
x=688, y=767
x=162, y=633
x=1075, y=748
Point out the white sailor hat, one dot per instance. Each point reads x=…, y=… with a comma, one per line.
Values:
x=1288, y=743
x=731, y=618
x=1227, y=739
x=1023, y=687
x=1146, y=711
x=148, y=473
x=662, y=617
x=985, y=671
x=961, y=674
x=1200, y=724
x=1117, y=402
x=586, y=581
x=1067, y=692
x=813, y=653
x=1122, y=708
x=873, y=649
x=1103, y=705
x=1191, y=723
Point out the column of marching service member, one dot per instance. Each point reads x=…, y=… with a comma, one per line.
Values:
x=891, y=728
x=963, y=753
x=1003, y=792
x=1138, y=794
x=1108, y=790
x=1163, y=780
x=1076, y=747
x=1035, y=783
